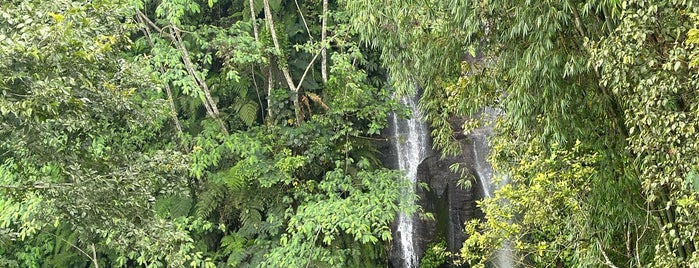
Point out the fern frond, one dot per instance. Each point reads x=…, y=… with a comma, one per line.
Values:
x=230, y=178
x=209, y=199
x=236, y=247
x=248, y=112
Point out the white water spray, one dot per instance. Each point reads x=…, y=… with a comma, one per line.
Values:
x=411, y=141
x=484, y=171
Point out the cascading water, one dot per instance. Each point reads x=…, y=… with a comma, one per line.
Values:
x=482, y=167
x=484, y=171
x=411, y=142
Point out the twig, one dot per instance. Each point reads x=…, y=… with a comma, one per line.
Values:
x=370, y=138
x=92, y=258
x=308, y=262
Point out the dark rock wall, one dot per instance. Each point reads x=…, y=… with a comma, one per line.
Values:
x=450, y=204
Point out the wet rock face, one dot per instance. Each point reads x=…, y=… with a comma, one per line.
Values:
x=447, y=200
x=450, y=203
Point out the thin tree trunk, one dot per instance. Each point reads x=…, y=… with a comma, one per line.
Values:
x=269, y=78
x=270, y=82
x=254, y=24
x=607, y=261
x=176, y=38
x=200, y=80
x=168, y=90
x=323, y=37
x=284, y=68
x=303, y=19
x=193, y=72
x=94, y=256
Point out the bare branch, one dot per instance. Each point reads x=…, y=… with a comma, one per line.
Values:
x=254, y=24
x=92, y=258
x=35, y=186
x=94, y=255
x=192, y=70
x=175, y=36
x=285, y=69
x=270, y=81
x=171, y=101
x=257, y=90
x=323, y=37
x=308, y=67
x=303, y=19
x=308, y=262
x=604, y=254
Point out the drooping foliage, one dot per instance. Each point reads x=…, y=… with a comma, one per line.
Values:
x=191, y=133
x=82, y=128
x=171, y=133
x=646, y=64
x=595, y=131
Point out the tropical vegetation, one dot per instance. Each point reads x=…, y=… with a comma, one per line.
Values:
x=242, y=133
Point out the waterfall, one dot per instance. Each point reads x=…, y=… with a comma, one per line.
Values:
x=484, y=171
x=480, y=156
x=411, y=143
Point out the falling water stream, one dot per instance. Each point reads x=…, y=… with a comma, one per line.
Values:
x=484, y=171
x=412, y=144
x=411, y=141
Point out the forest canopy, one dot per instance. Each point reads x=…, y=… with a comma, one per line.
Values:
x=242, y=133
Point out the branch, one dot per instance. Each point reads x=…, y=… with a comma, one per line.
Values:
x=323, y=37
x=285, y=69
x=254, y=24
x=192, y=70
x=317, y=99
x=257, y=90
x=270, y=25
x=308, y=67
x=578, y=21
x=171, y=101
x=303, y=19
x=92, y=258
x=308, y=262
x=36, y=186
x=604, y=254
x=176, y=38
x=270, y=81
x=94, y=255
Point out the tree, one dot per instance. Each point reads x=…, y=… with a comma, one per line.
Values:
x=83, y=154
x=645, y=63
x=140, y=134
x=608, y=80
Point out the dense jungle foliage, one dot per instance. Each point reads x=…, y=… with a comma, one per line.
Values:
x=241, y=133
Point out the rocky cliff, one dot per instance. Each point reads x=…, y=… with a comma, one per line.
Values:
x=450, y=203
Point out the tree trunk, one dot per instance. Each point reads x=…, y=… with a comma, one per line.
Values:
x=284, y=68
